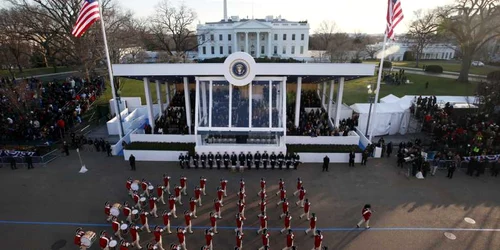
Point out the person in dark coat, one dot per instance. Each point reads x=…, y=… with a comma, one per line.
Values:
x=389, y=149
x=131, y=160
x=364, y=157
x=401, y=158
x=226, y=158
x=326, y=162
x=495, y=168
x=241, y=158
x=451, y=170
x=196, y=159
x=218, y=159
x=181, y=160
x=234, y=159
x=203, y=158
x=471, y=166
x=210, y=160
x=352, y=155
x=12, y=161
x=108, y=149
x=66, y=148
x=29, y=161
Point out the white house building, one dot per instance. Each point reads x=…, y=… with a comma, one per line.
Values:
x=436, y=51
x=269, y=37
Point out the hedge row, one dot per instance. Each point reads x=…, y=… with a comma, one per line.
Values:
x=493, y=76
x=433, y=69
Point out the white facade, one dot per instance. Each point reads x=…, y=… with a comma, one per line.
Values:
x=269, y=37
x=438, y=51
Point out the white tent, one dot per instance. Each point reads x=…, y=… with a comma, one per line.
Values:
x=390, y=119
x=390, y=99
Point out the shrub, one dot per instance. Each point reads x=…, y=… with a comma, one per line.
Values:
x=493, y=76
x=161, y=146
x=356, y=60
x=433, y=69
x=387, y=65
x=409, y=56
x=308, y=148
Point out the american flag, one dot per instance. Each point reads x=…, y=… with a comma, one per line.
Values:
x=89, y=13
x=394, y=17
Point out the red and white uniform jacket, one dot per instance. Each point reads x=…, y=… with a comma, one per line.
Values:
x=281, y=185
x=181, y=236
x=263, y=206
x=144, y=185
x=317, y=240
x=263, y=221
x=239, y=240
x=166, y=180
x=289, y=240
x=171, y=203
x=285, y=206
x=177, y=191
x=312, y=222
x=103, y=241
x=208, y=239
x=192, y=205
x=213, y=220
x=265, y=239
x=183, y=181
x=202, y=183
x=197, y=193
x=242, y=195
x=307, y=206
x=124, y=246
x=302, y=194
x=242, y=185
x=133, y=232
x=220, y=194
x=115, y=225
x=166, y=219
x=282, y=194
x=299, y=184
x=152, y=202
x=136, y=198
x=262, y=194
x=107, y=210
x=262, y=184
x=217, y=206
x=287, y=221
x=241, y=207
x=78, y=239
x=367, y=213
x=159, y=191
x=128, y=185
x=239, y=221
x=187, y=218
x=144, y=218
x=157, y=234
x=223, y=184
x=126, y=210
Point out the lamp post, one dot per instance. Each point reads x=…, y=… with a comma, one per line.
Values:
x=371, y=99
x=118, y=112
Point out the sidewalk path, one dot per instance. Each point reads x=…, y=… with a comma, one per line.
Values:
x=445, y=74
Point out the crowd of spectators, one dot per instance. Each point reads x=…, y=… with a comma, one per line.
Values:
x=35, y=110
x=395, y=78
x=173, y=119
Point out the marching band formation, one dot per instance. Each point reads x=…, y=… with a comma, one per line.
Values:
x=241, y=161
x=131, y=219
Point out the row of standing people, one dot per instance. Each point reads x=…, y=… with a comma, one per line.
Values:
x=241, y=160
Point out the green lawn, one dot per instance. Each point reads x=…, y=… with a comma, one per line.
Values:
x=34, y=71
x=453, y=66
x=132, y=88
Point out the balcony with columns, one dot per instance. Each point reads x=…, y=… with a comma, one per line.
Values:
x=250, y=42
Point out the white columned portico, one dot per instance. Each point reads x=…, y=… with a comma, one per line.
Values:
x=330, y=99
x=235, y=39
x=167, y=95
x=187, y=103
x=204, y=102
x=149, y=103
x=269, y=44
x=257, y=51
x=197, y=107
x=338, y=102
x=246, y=42
x=323, y=95
x=158, y=97
x=250, y=100
x=297, y=100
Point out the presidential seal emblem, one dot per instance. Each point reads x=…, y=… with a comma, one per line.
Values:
x=240, y=69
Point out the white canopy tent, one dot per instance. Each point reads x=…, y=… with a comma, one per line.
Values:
x=390, y=119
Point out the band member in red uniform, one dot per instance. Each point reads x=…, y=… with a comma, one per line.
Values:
x=144, y=220
x=220, y=194
x=187, y=219
x=239, y=223
x=116, y=227
x=282, y=193
x=203, y=184
x=175, y=247
x=312, y=224
x=302, y=196
x=137, y=200
x=171, y=205
x=366, y=213
x=209, y=235
x=239, y=240
x=242, y=195
x=242, y=184
x=183, y=181
x=307, y=208
x=192, y=207
x=104, y=240
x=262, y=183
x=107, y=211
x=124, y=245
x=281, y=185
x=178, y=195
x=241, y=208
x=289, y=240
x=287, y=222
x=263, y=222
x=127, y=212
x=213, y=221
x=223, y=185
x=262, y=193
x=263, y=204
x=78, y=238
x=158, y=240
x=166, y=183
x=144, y=187
x=128, y=185
x=284, y=207
x=299, y=185
x=152, y=206
x=166, y=221
x=181, y=235
x=135, y=236
x=318, y=239
x=197, y=195
x=159, y=192
x=217, y=206
x=265, y=240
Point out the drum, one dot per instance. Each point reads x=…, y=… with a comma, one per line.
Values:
x=142, y=200
x=124, y=228
x=115, y=210
x=113, y=243
x=151, y=188
x=88, y=238
x=135, y=214
x=135, y=185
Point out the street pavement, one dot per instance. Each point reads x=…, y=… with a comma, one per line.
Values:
x=42, y=207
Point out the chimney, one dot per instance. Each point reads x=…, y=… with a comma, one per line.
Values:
x=225, y=10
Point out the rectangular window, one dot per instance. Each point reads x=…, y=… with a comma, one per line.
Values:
x=202, y=38
x=293, y=37
x=213, y=50
x=262, y=50
x=221, y=50
x=229, y=50
x=275, y=37
x=212, y=37
x=204, y=50
x=275, y=50
x=284, y=37
x=262, y=37
x=284, y=50
x=302, y=37
x=301, y=50
x=229, y=37
x=220, y=37
x=293, y=50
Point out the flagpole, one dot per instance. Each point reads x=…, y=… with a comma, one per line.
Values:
x=110, y=72
x=377, y=90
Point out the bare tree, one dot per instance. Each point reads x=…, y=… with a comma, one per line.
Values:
x=422, y=32
x=472, y=23
x=339, y=47
x=371, y=50
x=14, y=48
x=325, y=34
x=359, y=43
